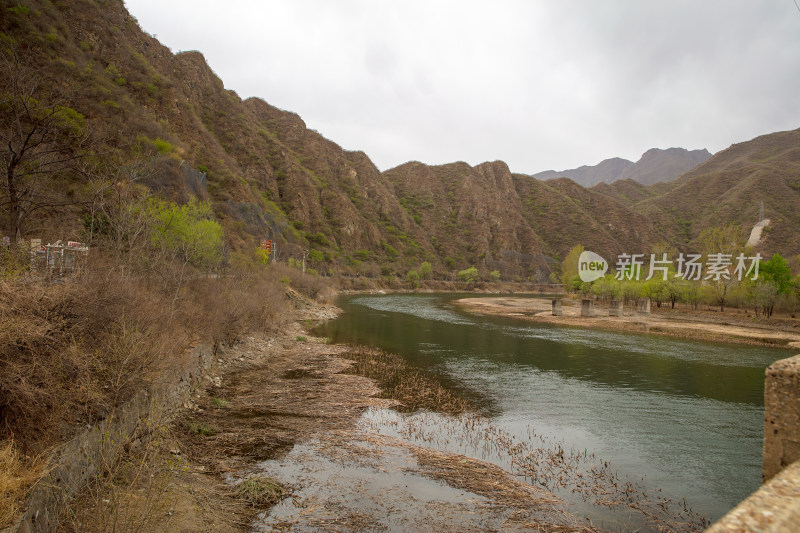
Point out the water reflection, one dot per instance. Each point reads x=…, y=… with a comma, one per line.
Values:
x=685, y=415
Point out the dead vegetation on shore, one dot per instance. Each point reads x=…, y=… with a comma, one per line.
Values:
x=413, y=388
x=545, y=464
x=74, y=350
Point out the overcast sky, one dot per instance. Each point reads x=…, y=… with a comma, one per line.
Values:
x=540, y=85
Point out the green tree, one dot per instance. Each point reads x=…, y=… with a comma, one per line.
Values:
x=630, y=291
x=774, y=279
x=413, y=278
x=187, y=232
x=494, y=275
x=718, y=292
x=656, y=290
x=425, y=270
x=470, y=275
x=777, y=271
x=569, y=266
x=606, y=288
x=690, y=293
x=762, y=295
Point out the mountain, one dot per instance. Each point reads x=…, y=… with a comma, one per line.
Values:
x=654, y=166
x=167, y=121
x=606, y=171
x=664, y=165
x=729, y=189
x=513, y=222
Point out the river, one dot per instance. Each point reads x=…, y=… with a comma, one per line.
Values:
x=683, y=416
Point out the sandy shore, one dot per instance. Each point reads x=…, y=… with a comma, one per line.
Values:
x=682, y=325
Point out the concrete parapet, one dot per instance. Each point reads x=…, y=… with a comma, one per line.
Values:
x=557, y=311
x=615, y=308
x=773, y=508
x=643, y=306
x=781, y=415
x=587, y=307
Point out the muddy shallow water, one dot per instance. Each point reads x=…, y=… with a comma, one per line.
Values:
x=681, y=416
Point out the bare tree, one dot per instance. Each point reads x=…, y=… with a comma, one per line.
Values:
x=41, y=139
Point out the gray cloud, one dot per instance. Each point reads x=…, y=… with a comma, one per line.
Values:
x=541, y=85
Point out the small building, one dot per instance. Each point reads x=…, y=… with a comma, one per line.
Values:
x=63, y=258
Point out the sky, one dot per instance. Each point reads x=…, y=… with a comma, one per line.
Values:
x=541, y=85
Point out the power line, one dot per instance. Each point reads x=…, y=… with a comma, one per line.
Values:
x=797, y=6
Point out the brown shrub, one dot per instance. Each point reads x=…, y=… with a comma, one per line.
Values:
x=70, y=352
x=222, y=309
x=306, y=284
x=16, y=474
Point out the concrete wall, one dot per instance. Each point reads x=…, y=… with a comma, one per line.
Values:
x=77, y=461
x=775, y=507
x=781, y=416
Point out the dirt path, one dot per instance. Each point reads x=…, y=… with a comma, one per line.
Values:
x=686, y=325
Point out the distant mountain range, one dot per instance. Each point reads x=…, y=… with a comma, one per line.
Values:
x=654, y=166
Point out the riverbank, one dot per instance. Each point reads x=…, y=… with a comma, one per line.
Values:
x=288, y=407
x=700, y=325
x=319, y=427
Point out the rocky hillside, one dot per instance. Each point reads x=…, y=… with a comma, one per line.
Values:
x=729, y=188
x=654, y=166
x=167, y=121
x=264, y=172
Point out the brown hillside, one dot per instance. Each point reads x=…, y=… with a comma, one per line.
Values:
x=267, y=175
x=729, y=188
x=566, y=214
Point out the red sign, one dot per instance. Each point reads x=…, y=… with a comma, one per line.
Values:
x=266, y=245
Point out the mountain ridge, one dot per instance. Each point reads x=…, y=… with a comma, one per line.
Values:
x=654, y=166
x=267, y=175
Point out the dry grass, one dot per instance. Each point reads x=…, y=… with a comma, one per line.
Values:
x=398, y=380
x=72, y=350
x=132, y=493
x=16, y=475
x=260, y=491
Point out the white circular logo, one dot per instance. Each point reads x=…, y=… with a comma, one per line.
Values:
x=591, y=266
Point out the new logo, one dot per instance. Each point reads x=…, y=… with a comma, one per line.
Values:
x=591, y=266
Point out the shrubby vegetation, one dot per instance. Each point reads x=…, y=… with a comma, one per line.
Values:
x=773, y=287
x=157, y=279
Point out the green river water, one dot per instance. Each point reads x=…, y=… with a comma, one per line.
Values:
x=683, y=416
